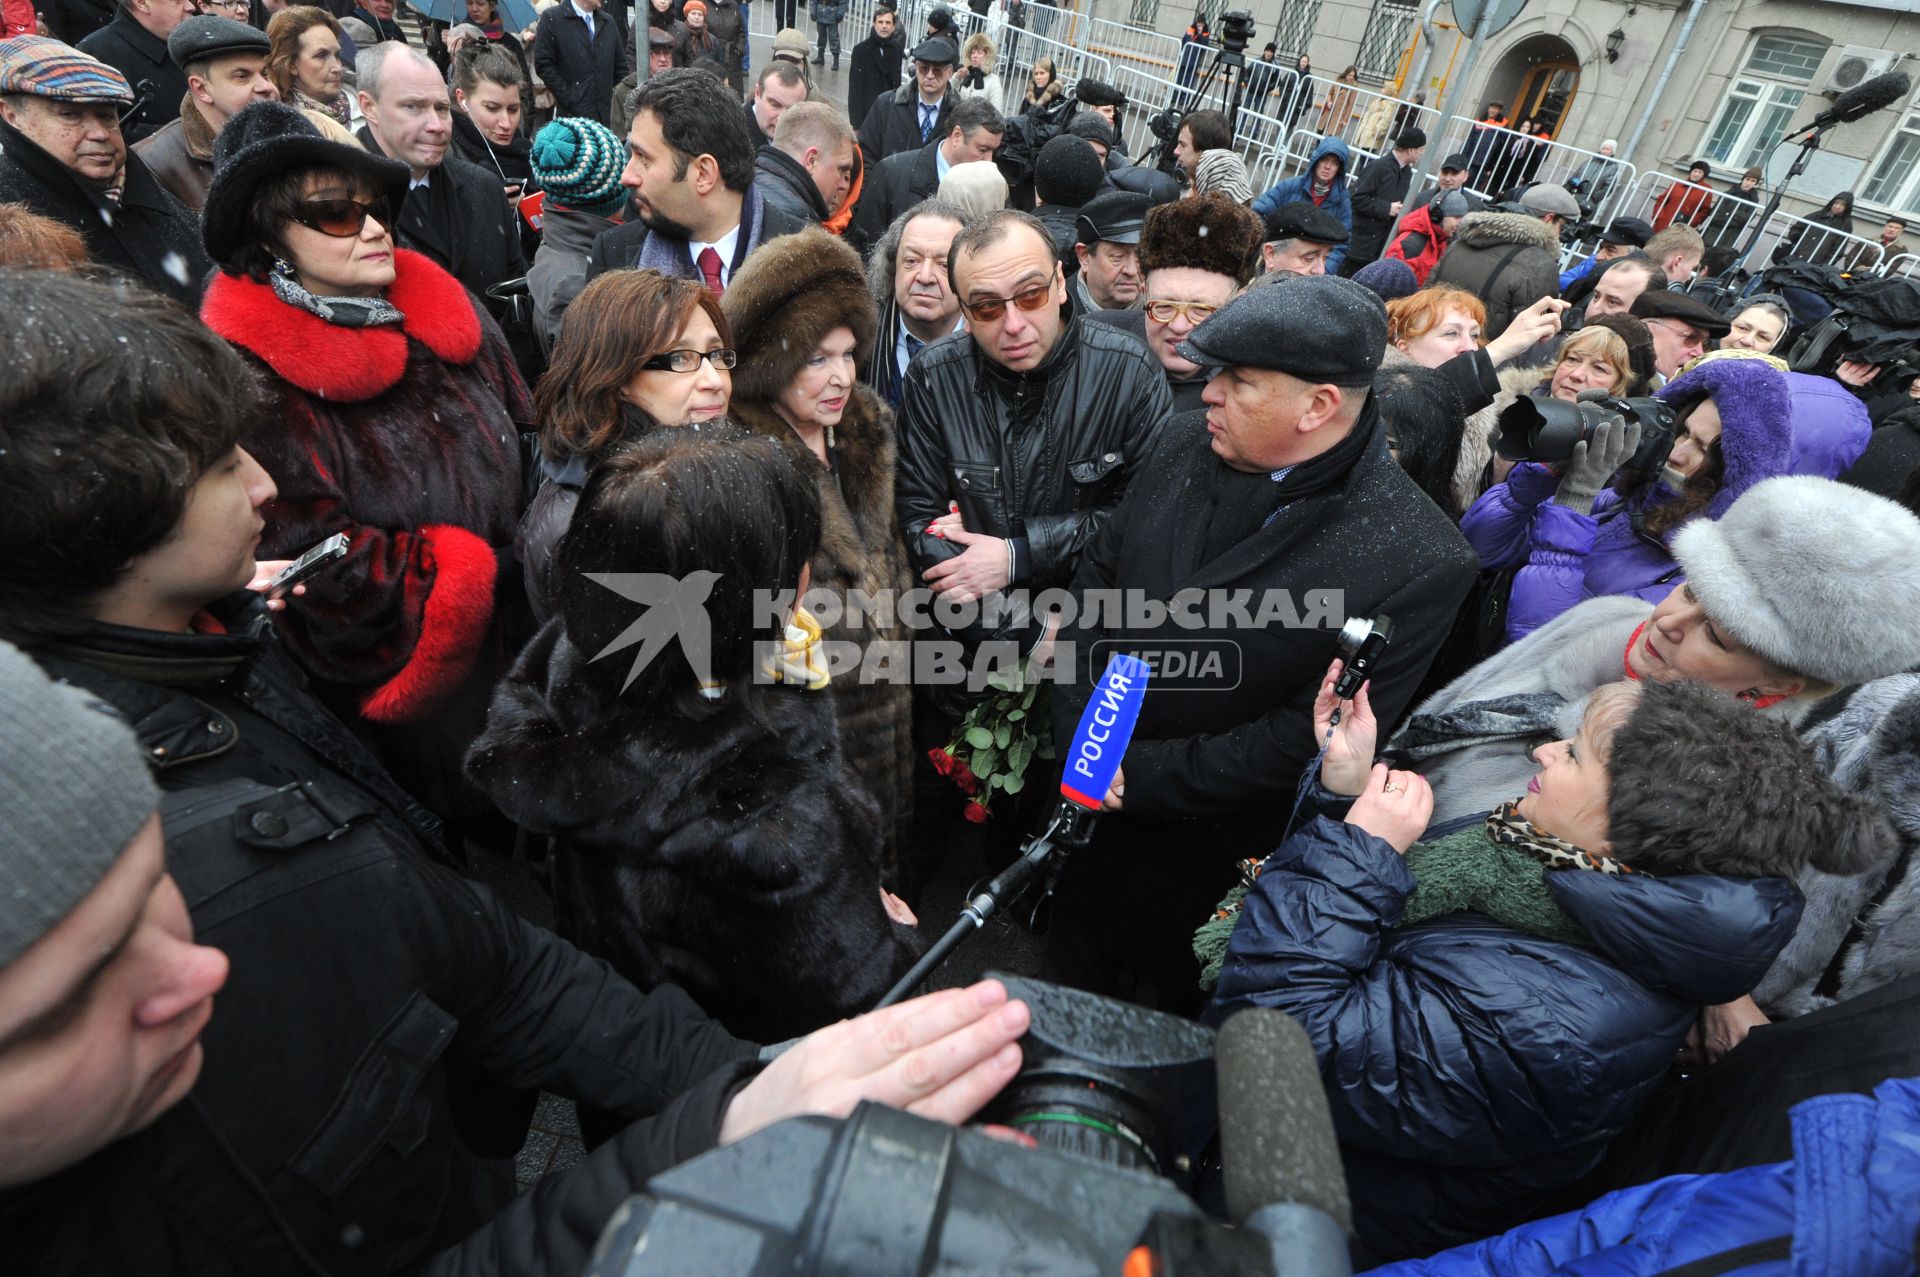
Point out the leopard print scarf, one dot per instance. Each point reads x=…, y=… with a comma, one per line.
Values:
x=1506, y=826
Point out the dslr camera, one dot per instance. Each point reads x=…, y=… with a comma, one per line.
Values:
x=1545, y=430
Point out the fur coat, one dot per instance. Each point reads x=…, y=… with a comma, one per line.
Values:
x=1507, y=260
x=731, y=855
x=795, y=291
x=1860, y=932
x=407, y=440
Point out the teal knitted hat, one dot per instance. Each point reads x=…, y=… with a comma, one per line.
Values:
x=578, y=162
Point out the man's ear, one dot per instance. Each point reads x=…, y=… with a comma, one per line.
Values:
x=367, y=109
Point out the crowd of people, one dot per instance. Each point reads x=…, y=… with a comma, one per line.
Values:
x=726, y=505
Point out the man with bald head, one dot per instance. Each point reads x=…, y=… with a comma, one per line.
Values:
x=453, y=212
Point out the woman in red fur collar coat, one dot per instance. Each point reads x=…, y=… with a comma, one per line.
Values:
x=394, y=418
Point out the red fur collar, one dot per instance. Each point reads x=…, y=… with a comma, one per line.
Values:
x=347, y=364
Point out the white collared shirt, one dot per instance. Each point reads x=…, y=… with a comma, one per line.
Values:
x=586, y=16
x=724, y=246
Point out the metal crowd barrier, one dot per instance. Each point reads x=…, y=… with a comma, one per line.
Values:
x=1122, y=42
x=1805, y=240
x=1069, y=63
x=1906, y=265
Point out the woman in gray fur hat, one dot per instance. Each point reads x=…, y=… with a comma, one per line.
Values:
x=1803, y=586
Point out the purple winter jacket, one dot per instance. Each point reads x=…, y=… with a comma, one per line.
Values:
x=1566, y=557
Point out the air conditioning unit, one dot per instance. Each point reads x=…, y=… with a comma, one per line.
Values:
x=1855, y=66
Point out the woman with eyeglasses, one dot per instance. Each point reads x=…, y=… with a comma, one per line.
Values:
x=804, y=322
x=394, y=417
x=305, y=63
x=637, y=351
x=1194, y=256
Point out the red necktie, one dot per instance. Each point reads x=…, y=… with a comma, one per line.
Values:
x=709, y=263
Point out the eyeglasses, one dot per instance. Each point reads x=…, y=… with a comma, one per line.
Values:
x=1195, y=313
x=342, y=218
x=988, y=309
x=234, y=6
x=689, y=360
x=1687, y=333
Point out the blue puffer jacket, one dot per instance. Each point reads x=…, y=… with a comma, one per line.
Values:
x=1847, y=1205
x=1474, y=1070
x=1337, y=202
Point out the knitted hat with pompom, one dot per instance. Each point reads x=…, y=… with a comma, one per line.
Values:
x=579, y=162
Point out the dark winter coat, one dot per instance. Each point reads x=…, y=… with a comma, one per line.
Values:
x=141, y=56
x=149, y=235
x=1381, y=185
x=892, y=122
x=784, y=184
x=72, y=21
x=1731, y=216
x=699, y=49
x=559, y=269
x=634, y=245
x=324, y=1134
x=180, y=156
x=507, y=164
x=873, y=69
x=579, y=69
x=1063, y=224
x=900, y=182
x=1041, y=457
x=727, y=23
x=1816, y=242
x=1208, y=773
x=550, y=513
x=1337, y=201
x=1473, y=1069
x=462, y=222
x=408, y=441
x=733, y=854
x=1185, y=391
x=1507, y=260
x=384, y=29
x=1891, y=457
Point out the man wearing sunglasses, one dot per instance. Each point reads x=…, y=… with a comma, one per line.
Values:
x=1017, y=444
x=62, y=156
x=1194, y=254
x=225, y=63
x=1265, y=521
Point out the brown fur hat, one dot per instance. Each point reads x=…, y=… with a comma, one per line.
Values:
x=1207, y=232
x=789, y=295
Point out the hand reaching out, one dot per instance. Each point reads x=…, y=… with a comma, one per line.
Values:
x=1350, y=752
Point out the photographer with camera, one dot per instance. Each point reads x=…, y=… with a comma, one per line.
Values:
x=1707, y=437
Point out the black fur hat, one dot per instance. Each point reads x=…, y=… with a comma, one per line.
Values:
x=1206, y=232
x=1701, y=782
x=1098, y=93
x=791, y=293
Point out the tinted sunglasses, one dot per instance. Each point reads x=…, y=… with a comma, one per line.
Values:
x=689, y=360
x=343, y=218
x=989, y=309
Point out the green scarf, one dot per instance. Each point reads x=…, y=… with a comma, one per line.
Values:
x=1498, y=869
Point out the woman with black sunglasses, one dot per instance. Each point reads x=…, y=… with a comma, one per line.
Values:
x=394, y=417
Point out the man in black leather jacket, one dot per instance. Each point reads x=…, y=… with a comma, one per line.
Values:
x=1018, y=437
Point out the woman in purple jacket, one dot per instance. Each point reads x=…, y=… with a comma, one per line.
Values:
x=1573, y=539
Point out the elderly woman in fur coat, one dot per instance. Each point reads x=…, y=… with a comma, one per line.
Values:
x=681, y=751
x=803, y=323
x=395, y=419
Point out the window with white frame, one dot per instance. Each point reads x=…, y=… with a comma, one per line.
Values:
x=1761, y=100
x=1895, y=179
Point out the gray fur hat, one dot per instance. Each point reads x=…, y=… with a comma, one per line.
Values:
x=1816, y=576
x=74, y=789
x=1698, y=783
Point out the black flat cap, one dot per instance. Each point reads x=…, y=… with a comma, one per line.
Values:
x=1627, y=230
x=1115, y=217
x=1664, y=303
x=206, y=36
x=937, y=49
x=1319, y=328
x=1455, y=163
x=1303, y=219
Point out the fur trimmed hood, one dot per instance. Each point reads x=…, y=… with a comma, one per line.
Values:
x=1756, y=420
x=1202, y=232
x=1816, y=576
x=349, y=365
x=792, y=292
x=1487, y=229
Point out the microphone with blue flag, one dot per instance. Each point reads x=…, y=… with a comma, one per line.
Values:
x=1099, y=745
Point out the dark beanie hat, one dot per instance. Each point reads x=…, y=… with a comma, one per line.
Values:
x=1411, y=138
x=1698, y=782
x=1389, y=277
x=1093, y=127
x=1068, y=172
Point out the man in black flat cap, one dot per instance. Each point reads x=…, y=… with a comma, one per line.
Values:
x=1378, y=195
x=1107, y=243
x=1681, y=326
x=1262, y=523
x=226, y=68
x=1452, y=177
x=1299, y=236
x=911, y=116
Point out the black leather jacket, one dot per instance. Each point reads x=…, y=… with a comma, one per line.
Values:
x=1041, y=458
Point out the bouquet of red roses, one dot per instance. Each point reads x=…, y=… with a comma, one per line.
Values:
x=996, y=742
